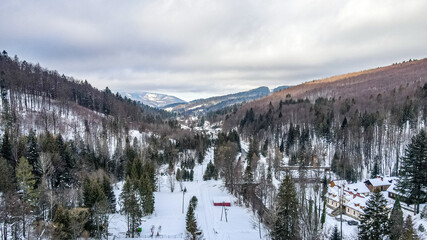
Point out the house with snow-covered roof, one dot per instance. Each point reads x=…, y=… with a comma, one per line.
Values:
x=380, y=183
x=355, y=195
x=393, y=193
x=336, y=193
x=359, y=189
x=355, y=207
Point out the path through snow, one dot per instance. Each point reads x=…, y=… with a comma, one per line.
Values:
x=168, y=211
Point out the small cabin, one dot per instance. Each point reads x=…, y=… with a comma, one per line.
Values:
x=379, y=183
x=222, y=202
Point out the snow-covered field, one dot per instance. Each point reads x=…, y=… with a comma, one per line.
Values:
x=168, y=212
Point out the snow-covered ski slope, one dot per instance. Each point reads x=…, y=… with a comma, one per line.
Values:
x=168, y=212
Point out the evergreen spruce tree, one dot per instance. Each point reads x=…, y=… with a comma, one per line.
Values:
x=413, y=174
x=210, y=172
x=96, y=201
x=146, y=195
x=287, y=219
x=335, y=234
x=6, y=180
x=150, y=171
x=316, y=216
x=131, y=207
x=65, y=154
x=253, y=149
x=191, y=224
x=191, y=175
x=396, y=221
x=178, y=175
x=61, y=221
x=26, y=184
x=374, y=223
x=323, y=218
x=33, y=153
x=109, y=193
x=6, y=149
x=376, y=169
x=264, y=148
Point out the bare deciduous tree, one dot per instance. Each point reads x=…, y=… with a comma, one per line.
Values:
x=171, y=181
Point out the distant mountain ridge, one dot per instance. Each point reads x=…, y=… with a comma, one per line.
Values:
x=156, y=100
x=216, y=103
x=280, y=88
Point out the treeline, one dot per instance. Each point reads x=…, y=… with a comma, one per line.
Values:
x=31, y=85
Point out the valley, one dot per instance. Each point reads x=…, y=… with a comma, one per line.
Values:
x=78, y=162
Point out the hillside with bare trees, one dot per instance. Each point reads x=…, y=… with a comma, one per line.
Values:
x=353, y=122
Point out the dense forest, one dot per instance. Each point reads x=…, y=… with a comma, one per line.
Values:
x=64, y=144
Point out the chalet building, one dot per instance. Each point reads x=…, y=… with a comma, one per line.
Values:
x=338, y=183
x=357, y=189
x=353, y=197
x=381, y=183
x=354, y=208
x=334, y=192
x=393, y=193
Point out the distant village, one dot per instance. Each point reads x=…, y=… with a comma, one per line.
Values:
x=353, y=197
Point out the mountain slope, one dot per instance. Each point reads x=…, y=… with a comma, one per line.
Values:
x=363, y=87
x=156, y=100
x=29, y=84
x=215, y=103
x=351, y=122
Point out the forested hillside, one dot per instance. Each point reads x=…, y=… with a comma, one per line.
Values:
x=352, y=122
x=63, y=146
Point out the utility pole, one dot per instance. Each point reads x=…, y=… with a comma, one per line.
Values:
x=183, y=192
x=341, y=191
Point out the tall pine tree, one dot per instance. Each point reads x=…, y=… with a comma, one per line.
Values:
x=26, y=184
x=374, y=223
x=131, y=207
x=191, y=224
x=335, y=234
x=33, y=153
x=396, y=221
x=287, y=221
x=6, y=149
x=413, y=174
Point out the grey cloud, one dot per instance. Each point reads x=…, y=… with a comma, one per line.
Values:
x=203, y=48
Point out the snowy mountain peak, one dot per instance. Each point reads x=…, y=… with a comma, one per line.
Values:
x=157, y=100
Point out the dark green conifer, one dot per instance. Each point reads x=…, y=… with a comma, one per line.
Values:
x=374, y=223
x=396, y=221
x=287, y=220
x=413, y=172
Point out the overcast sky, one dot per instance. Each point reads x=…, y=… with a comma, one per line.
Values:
x=200, y=48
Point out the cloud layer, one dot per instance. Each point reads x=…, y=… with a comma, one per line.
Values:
x=200, y=48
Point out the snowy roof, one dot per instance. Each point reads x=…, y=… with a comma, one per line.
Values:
x=340, y=182
x=334, y=193
x=359, y=187
x=393, y=189
x=357, y=203
x=381, y=181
